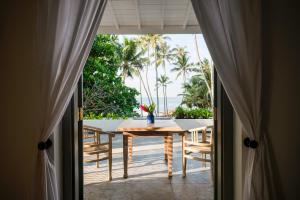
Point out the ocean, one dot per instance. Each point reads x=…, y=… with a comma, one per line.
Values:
x=173, y=102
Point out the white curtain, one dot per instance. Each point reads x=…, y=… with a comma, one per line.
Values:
x=232, y=31
x=65, y=33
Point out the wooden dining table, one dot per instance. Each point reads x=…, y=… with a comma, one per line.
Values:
x=140, y=128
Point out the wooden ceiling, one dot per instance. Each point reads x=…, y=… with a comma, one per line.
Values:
x=149, y=16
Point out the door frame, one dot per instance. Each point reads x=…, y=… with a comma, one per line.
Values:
x=72, y=124
x=224, y=140
x=72, y=147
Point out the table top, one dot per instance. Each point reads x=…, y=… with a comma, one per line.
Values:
x=141, y=125
x=172, y=125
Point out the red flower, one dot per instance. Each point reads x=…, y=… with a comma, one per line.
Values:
x=144, y=108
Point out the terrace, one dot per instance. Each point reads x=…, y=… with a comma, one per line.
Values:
x=147, y=172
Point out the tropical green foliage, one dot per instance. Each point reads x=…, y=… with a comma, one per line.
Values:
x=105, y=94
x=195, y=93
x=194, y=113
x=204, y=71
x=182, y=63
x=131, y=58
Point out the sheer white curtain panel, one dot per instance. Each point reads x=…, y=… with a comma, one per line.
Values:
x=65, y=33
x=232, y=31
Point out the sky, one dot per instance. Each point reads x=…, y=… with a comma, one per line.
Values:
x=175, y=88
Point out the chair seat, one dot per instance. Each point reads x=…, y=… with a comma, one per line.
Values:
x=95, y=149
x=198, y=149
x=86, y=160
x=203, y=144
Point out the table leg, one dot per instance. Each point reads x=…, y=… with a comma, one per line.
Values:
x=183, y=155
x=130, y=148
x=166, y=147
x=170, y=155
x=125, y=155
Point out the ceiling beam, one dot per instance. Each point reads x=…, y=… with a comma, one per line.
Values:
x=187, y=14
x=113, y=15
x=175, y=29
x=138, y=17
x=162, y=14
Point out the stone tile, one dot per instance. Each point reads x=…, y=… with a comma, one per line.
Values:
x=151, y=190
x=192, y=191
x=110, y=191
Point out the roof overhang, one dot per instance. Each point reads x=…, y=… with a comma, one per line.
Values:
x=149, y=16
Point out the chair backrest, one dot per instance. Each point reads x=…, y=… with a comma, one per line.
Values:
x=195, y=134
x=211, y=139
x=87, y=130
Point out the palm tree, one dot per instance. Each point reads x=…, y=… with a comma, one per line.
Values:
x=183, y=65
x=196, y=93
x=163, y=81
x=130, y=59
x=144, y=43
x=179, y=50
x=155, y=41
x=164, y=54
x=206, y=69
x=132, y=62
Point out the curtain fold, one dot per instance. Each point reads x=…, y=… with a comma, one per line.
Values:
x=232, y=31
x=65, y=33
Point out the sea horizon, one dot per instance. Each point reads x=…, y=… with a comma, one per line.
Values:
x=173, y=102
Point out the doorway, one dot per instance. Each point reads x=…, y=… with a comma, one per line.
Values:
x=222, y=113
x=192, y=112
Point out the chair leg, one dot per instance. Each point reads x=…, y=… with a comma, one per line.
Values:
x=183, y=156
x=212, y=167
x=97, y=163
x=110, y=158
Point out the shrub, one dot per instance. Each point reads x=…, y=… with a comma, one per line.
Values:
x=92, y=115
x=192, y=113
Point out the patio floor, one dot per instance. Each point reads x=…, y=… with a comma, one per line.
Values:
x=147, y=175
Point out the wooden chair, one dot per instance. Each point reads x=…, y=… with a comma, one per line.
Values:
x=102, y=151
x=195, y=146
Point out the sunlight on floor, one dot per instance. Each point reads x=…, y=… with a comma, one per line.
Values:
x=148, y=175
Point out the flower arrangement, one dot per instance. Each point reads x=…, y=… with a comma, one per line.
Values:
x=149, y=109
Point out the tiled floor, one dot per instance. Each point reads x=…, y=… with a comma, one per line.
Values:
x=148, y=175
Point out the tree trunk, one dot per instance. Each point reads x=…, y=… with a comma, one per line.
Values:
x=166, y=100
x=141, y=96
x=156, y=75
x=164, y=97
x=141, y=78
x=205, y=80
x=147, y=81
